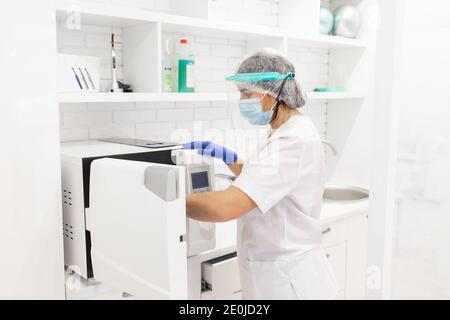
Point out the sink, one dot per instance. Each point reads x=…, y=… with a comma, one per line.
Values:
x=345, y=193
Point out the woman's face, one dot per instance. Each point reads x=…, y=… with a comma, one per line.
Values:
x=267, y=101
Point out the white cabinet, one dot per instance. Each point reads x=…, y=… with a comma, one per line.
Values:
x=345, y=243
x=337, y=255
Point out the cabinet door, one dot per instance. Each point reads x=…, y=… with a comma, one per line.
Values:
x=137, y=219
x=337, y=256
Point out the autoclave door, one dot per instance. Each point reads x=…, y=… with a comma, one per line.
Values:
x=137, y=220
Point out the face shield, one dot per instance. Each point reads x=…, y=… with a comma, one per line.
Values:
x=254, y=86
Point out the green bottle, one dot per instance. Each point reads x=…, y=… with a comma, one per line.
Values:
x=186, y=65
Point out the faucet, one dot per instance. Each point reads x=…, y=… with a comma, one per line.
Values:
x=330, y=145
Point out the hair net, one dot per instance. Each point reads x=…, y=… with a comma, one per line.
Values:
x=270, y=60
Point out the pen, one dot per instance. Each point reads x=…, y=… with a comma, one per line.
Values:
x=84, y=79
x=78, y=79
x=90, y=79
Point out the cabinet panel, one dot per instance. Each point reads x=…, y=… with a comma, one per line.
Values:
x=334, y=233
x=345, y=242
x=337, y=255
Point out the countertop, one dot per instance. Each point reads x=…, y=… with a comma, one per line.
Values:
x=337, y=210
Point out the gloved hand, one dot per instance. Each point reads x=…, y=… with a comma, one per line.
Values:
x=213, y=150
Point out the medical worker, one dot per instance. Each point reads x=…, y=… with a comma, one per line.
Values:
x=276, y=199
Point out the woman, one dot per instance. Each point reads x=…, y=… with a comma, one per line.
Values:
x=277, y=200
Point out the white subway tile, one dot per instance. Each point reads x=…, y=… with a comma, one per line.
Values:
x=210, y=113
x=193, y=104
x=202, y=49
x=154, y=105
x=203, y=74
x=233, y=63
x=236, y=5
x=220, y=104
x=87, y=28
x=320, y=109
x=72, y=107
x=175, y=114
x=158, y=131
x=74, y=134
x=212, y=62
x=103, y=54
x=260, y=6
x=70, y=38
x=220, y=75
x=110, y=106
x=210, y=40
x=197, y=125
x=99, y=40
x=237, y=42
x=274, y=8
x=311, y=68
x=319, y=50
x=318, y=118
x=86, y=119
x=221, y=124
x=307, y=57
x=112, y=131
x=134, y=116
x=269, y=20
x=227, y=51
x=211, y=86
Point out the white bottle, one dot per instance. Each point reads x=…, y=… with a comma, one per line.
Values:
x=168, y=72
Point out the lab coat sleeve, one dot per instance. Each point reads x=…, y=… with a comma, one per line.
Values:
x=274, y=173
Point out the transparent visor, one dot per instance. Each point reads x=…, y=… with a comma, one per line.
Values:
x=257, y=77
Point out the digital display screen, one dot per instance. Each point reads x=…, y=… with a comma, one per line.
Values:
x=199, y=180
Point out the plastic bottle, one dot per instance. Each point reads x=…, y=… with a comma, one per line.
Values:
x=168, y=81
x=186, y=64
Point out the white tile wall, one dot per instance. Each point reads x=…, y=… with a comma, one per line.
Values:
x=215, y=58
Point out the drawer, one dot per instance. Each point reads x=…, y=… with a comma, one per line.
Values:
x=221, y=276
x=337, y=256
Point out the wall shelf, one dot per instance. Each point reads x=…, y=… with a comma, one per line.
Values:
x=139, y=97
x=107, y=97
x=122, y=16
x=333, y=96
x=332, y=42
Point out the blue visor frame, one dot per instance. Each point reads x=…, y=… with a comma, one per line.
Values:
x=262, y=76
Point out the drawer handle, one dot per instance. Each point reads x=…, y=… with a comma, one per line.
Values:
x=328, y=256
x=327, y=230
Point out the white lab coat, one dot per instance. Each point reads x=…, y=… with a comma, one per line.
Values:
x=279, y=242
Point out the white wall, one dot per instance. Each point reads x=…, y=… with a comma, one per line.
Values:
x=31, y=242
x=421, y=253
x=409, y=218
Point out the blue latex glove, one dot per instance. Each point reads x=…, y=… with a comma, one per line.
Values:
x=211, y=149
